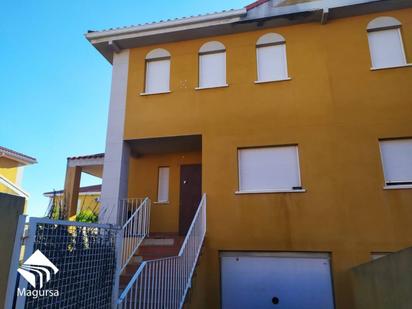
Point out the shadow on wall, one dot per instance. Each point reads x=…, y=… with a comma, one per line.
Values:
x=385, y=283
x=11, y=207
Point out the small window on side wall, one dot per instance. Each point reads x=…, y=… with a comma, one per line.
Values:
x=163, y=185
x=397, y=162
x=385, y=43
x=269, y=169
x=271, y=58
x=157, y=71
x=212, y=65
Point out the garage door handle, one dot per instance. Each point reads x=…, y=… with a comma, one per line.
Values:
x=275, y=300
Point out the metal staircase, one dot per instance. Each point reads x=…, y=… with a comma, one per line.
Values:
x=163, y=282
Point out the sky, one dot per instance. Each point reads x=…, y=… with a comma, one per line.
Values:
x=55, y=87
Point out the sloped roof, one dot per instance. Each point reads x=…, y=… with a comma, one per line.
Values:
x=18, y=156
x=279, y=4
x=86, y=189
x=170, y=20
x=113, y=40
x=92, y=156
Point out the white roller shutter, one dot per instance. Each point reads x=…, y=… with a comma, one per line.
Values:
x=266, y=169
x=212, y=70
x=386, y=48
x=397, y=160
x=272, y=64
x=157, y=76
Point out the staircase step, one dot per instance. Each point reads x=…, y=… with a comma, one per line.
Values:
x=158, y=242
x=158, y=250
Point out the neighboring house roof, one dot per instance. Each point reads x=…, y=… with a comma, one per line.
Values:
x=17, y=156
x=95, y=189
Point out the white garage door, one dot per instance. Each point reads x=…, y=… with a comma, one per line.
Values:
x=276, y=280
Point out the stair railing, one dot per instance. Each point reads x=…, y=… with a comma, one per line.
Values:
x=135, y=220
x=164, y=283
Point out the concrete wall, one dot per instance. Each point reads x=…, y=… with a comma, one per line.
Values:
x=10, y=208
x=385, y=283
x=335, y=108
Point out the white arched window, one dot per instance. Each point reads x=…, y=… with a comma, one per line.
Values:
x=157, y=71
x=271, y=58
x=212, y=65
x=385, y=43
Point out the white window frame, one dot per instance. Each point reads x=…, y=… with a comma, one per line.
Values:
x=160, y=200
x=295, y=189
x=271, y=40
x=158, y=54
x=388, y=183
x=209, y=48
x=382, y=24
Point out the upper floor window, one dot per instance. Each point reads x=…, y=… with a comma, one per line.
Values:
x=212, y=65
x=271, y=58
x=269, y=169
x=385, y=43
x=397, y=161
x=157, y=71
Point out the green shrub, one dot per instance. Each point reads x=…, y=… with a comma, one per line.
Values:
x=87, y=216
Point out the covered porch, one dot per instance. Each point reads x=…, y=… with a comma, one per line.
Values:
x=167, y=170
x=89, y=164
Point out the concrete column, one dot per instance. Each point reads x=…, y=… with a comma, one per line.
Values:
x=116, y=159
x=71, y=190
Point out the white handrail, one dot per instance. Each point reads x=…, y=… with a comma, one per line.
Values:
x=135, y=220
x=164, y=283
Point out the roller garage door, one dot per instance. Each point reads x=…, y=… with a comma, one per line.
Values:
x=254, y=280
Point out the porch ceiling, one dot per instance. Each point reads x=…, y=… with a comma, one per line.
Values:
x=168, y=144
x=94, y=170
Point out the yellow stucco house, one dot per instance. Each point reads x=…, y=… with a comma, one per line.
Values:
x=88, y=201
x=293, y=118
x=12, y=164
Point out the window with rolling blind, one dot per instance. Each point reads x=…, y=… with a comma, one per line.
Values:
x=271, y=58
x=163, y=185
x=397, y=161
x=157, y=72
x=212, y=65
x=269, y=169
x=385, y=43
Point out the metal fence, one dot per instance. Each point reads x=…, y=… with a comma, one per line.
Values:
x=83, y=253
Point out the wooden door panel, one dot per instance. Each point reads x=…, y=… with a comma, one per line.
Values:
x=190, y=194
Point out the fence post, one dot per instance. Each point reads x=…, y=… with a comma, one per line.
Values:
x=119, y=247
x=28, y=251
x=14, y=264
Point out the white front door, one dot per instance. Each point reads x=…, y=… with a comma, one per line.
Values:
x=255, y=280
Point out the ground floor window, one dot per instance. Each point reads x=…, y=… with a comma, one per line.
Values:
x=267, y=169
x=397, y=161
x=163, y=185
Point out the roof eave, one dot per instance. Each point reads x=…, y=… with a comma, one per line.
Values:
x=20, y=159
x=113, y=41
x=103, y=40
x=108, y=35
